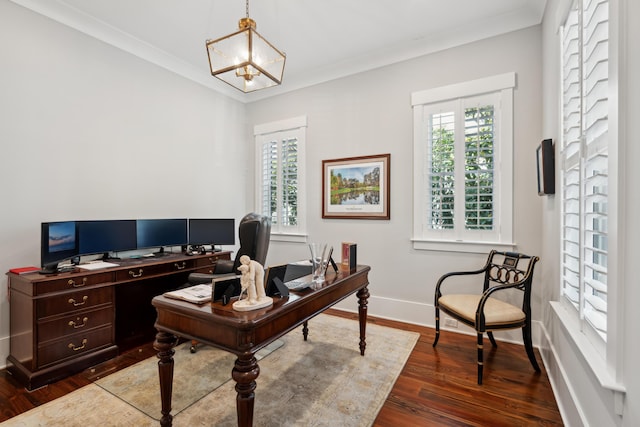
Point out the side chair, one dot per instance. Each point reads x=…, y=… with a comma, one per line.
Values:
x=483, y=312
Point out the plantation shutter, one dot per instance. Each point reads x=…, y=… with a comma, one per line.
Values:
x=572, y=132
x=270, y=168
x=585, y=160
x=289, y=181
x=479, y=134
x=440, y=170
x=595, y=123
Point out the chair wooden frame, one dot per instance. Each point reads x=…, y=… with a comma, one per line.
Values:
x=504, y=275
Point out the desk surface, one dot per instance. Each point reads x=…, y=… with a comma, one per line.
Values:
x=244, y=333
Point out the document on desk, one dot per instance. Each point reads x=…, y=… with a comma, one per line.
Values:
x=97, y=265
x=198, y=294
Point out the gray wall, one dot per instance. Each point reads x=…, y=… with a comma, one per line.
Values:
x=88, y=131
x=370, y=113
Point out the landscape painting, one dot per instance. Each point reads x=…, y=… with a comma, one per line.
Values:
x=356, y=187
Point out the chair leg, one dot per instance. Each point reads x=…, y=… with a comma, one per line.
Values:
x=435, y=341
x=528, y=346
x=493, y=340
x=480, y=359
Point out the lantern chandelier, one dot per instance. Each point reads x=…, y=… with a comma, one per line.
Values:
x=245, y=59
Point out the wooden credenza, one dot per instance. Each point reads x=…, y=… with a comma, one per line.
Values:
x=64, y=323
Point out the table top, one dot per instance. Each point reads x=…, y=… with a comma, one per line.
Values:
x=248, y=331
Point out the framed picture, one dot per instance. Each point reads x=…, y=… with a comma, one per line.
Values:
x=356, y=187
x=545, y=161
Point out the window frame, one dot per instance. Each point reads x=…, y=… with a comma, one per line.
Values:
x=501, y=86
x=288, y=128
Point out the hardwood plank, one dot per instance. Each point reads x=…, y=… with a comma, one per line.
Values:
x=437, y=387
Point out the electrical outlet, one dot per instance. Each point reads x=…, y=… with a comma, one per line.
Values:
x=452, y=323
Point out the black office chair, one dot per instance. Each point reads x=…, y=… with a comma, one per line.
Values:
x=254, y=233
x=483, y=312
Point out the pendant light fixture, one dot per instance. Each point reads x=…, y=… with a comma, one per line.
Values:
x=245, y=59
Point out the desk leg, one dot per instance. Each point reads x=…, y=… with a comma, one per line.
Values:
x=164, y=343
x=363, y=301
x=305, y=330
x=244, y=373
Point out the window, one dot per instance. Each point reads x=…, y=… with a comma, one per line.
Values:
x=280, y=176
x=585, y=163
x=463, y=165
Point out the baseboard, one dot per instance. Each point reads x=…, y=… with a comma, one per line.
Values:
x=424, y=315
x=562, y=389
x=4, y=351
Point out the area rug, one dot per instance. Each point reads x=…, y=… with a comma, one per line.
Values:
x=195, y=375
x=323, y=381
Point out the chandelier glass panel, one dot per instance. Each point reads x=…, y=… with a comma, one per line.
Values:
x=245, y=59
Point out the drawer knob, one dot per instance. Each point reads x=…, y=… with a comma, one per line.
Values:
x=73, y=347
x=73, y=283
x=179, y=266
x=79, y=325
x=75, y=303
x=134, y=274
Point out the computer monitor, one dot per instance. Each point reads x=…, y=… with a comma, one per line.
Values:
x=59, y=241
x=212, y=231
x=96, y=237
x=152, y=233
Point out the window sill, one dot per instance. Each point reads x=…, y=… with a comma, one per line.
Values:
x=461, y=246
x=289, y=237
x=590, y=354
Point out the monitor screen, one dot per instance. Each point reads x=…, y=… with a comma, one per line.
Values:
x=212, y=231
x=59, y=241
x=96, y=237
x=161, y=232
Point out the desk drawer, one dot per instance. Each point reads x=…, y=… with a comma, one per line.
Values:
x=68, y=283
x=142, y=271
x=75, y=323
x=74, y=301
x=209, y=260
x=74, y=345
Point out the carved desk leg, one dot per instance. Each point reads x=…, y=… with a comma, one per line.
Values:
x=363, y=300
x=164, y=343
x=244, y=373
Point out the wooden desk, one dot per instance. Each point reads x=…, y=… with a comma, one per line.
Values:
x=64, y=323
x=244, y=333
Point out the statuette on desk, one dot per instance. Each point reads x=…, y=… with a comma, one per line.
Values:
x=252, y=295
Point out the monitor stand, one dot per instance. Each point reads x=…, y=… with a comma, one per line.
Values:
x=107, y=257
x=160, y=252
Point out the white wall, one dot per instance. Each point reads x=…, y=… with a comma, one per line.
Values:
x=581, y=397
x=90, y=132
x=370, y=113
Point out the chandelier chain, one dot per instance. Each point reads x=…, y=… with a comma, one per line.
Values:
x=247, y=8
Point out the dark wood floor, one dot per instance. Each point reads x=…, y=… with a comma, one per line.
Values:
x=437, y=387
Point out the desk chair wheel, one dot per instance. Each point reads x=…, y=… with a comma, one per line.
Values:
x=192, y=349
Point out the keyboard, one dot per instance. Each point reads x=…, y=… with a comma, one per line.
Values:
x=299, y=284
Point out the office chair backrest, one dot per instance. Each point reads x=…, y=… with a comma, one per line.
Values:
x=254, y=233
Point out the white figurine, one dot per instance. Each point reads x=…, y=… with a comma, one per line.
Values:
x=252, y=283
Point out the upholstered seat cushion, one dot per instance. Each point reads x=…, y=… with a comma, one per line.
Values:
x=496, y=312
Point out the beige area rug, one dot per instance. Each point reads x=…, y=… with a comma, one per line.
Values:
x=194, y=376
x=321, y=382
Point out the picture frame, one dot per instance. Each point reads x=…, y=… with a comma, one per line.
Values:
x=545, y=161
x=357, y=187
